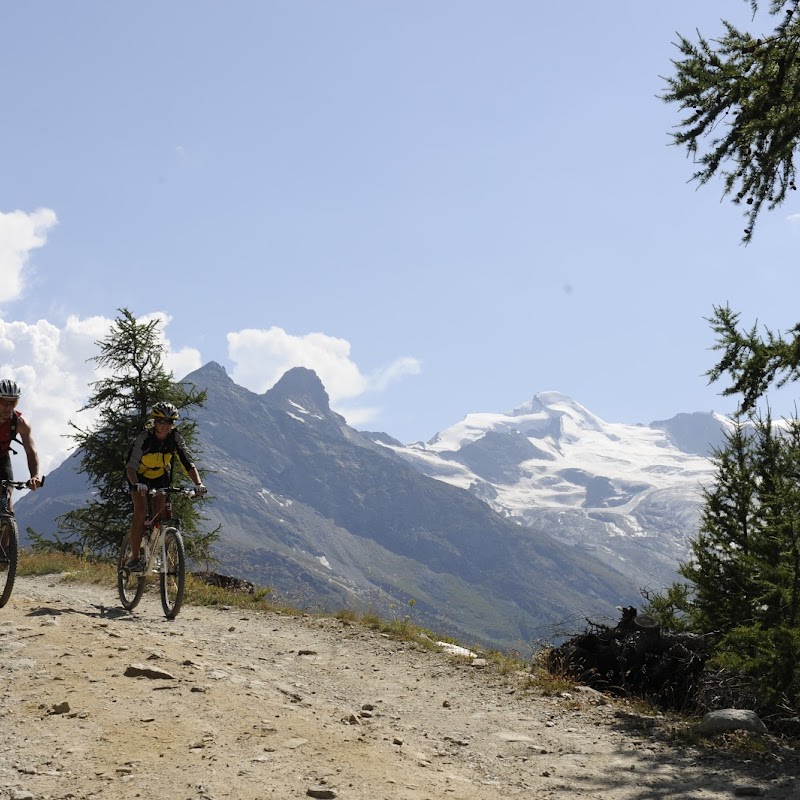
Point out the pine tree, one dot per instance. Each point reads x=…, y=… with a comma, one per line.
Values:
x=760, y=645
x=743, y=588
x=722, y=586
x=743, y=109
x=132, y=354
x=743, y=580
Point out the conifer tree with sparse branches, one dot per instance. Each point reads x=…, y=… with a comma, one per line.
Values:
x=752, y=362
x=741, y=98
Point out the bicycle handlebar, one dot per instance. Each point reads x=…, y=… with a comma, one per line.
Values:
x=187, y=490
x=20, y=484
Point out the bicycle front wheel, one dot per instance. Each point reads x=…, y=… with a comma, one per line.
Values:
x=173, y=573
x=9, y=544
x=130, y=586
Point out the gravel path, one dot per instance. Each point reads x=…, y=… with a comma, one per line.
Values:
x=220, y=703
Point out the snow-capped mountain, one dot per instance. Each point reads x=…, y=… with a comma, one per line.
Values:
x=500, y=528
x=629, y=494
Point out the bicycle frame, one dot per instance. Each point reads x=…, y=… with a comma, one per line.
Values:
x=154, y=524
x=9, y=540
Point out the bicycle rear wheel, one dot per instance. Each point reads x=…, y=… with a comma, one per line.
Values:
x=9, y=544
x=173, y=573
x=130, y=586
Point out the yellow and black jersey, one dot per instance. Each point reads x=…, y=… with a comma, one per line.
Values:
x=152, y=458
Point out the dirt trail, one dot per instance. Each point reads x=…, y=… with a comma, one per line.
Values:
x=220, y=703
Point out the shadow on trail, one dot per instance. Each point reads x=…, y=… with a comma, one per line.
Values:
x=691, y=771
x=101, y=611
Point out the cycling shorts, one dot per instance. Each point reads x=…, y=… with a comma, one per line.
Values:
x=161, y=482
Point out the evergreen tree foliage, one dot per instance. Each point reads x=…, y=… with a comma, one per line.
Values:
x=131, y=354
x=743, y=578
x=717, y=571
x=752, y=362
x=742, y=122
x=671, y=607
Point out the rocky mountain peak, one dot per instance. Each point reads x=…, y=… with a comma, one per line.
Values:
x=301, y=387
x=211, y=373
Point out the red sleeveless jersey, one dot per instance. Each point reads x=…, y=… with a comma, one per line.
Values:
x=8, y=432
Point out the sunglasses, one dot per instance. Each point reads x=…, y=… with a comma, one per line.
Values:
x=165, y=422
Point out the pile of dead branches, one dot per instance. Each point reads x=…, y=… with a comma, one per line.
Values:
x=635, y=658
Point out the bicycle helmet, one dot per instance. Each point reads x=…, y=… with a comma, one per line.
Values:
x=9, y=389
x=164, y=410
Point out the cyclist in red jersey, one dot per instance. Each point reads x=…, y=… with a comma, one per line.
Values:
x=14, y=428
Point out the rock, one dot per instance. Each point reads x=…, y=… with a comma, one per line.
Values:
x=730, y=719
x=290, y=692
x=143, y=671
x=456, y=650
x=293, y=744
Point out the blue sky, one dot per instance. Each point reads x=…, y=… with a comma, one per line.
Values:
x=441, y=207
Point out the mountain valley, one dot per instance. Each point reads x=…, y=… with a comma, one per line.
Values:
x=505, y=530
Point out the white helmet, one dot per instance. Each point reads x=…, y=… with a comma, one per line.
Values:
x=9, y=389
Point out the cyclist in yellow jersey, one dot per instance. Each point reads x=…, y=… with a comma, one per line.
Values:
x=149, y=466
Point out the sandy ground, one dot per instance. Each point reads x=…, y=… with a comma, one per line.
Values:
x=99, y=703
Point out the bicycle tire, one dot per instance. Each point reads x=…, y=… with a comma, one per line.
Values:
x=9, y=552
x=130, y=587
x=173, y=573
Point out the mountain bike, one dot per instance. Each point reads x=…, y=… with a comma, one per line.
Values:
x=9, y=541
x=164, y=554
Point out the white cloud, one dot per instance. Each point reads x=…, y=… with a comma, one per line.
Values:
x=179, y=362
x=359, y=416
x=19, y=234
x=261, y=357
x=52, y=366
x=407, y=365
